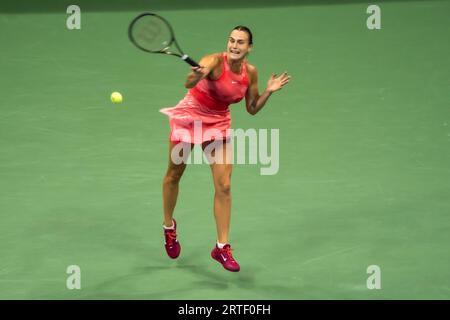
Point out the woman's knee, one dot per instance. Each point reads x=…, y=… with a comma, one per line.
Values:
x=223, y=186
x=173, y=176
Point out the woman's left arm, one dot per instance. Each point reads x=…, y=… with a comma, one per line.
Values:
x=255, y=102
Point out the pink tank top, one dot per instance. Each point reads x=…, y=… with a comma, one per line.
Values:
x=219, y=94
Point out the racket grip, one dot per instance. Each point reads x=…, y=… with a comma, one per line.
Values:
x=190, y=61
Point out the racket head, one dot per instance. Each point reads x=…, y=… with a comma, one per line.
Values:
x=151, y=32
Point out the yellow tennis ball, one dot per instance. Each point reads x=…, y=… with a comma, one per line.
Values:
x=116, y=97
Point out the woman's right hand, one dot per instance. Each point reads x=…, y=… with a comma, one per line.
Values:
x=207, y=64
x=199, y=72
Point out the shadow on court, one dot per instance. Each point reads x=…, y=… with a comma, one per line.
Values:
x=45, y=6
x=159, y=281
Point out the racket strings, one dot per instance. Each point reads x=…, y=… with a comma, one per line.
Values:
x=152, y=35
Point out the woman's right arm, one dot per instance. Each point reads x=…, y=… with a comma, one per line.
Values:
x=207, y=65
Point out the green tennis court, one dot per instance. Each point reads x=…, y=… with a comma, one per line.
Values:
x=364, y=161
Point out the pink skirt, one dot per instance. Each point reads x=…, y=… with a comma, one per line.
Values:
x=192, y=122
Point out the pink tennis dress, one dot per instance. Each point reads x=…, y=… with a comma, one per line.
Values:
x=203, y=114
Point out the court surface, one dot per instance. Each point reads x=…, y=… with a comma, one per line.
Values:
x=364, y=162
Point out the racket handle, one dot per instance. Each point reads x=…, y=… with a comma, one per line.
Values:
x=190, y=61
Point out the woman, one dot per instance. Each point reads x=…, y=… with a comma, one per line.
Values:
x=223, y=79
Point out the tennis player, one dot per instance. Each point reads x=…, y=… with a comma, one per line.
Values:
x=222, y=79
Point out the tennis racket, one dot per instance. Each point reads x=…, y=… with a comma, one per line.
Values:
x=152, y=33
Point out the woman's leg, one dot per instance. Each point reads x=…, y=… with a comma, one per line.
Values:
x=172, y=178
x=221, y=172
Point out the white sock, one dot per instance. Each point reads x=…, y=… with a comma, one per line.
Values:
x=221, y=245
x=169, y=228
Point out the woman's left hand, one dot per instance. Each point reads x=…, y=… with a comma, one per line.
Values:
x=276, y=83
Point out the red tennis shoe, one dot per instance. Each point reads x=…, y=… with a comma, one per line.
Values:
x=225, y=257
x=172, y=245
